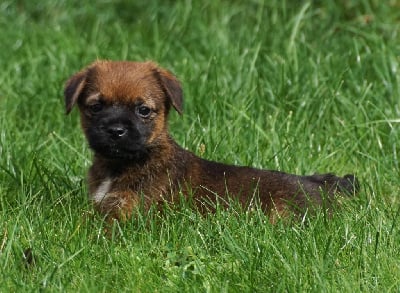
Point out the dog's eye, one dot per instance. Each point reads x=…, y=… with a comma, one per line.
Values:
x=143, y=111
x=96, y=108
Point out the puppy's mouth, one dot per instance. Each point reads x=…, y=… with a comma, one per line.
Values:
x=123, y=148
x=117, y=152
x=118, y=140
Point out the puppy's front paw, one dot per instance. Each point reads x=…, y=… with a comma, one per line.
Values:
x=117, y=205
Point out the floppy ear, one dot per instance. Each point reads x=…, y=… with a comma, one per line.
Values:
x=73, y=88
x=171, y=87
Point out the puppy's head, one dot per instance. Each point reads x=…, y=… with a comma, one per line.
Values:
x=123, y=106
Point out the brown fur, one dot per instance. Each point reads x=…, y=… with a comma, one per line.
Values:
x=166, y=169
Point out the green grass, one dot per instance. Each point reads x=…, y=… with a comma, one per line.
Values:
x=297, y=86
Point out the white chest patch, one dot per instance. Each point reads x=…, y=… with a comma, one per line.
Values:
x=102, y=190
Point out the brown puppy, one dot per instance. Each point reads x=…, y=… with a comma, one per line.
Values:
x=124, y=108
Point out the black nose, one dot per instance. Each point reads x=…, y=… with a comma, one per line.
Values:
x=117, y=131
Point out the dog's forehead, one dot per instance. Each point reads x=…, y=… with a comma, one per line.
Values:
x=127, y=81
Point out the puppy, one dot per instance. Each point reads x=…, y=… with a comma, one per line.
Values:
x=124, y=108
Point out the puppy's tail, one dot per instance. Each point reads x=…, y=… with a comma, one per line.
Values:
x=348, y=185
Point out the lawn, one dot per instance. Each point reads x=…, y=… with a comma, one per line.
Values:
x=298, y=86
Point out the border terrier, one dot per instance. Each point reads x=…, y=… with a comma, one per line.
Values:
x=124, y=108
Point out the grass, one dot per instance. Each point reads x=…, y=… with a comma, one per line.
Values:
x=297, y=86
